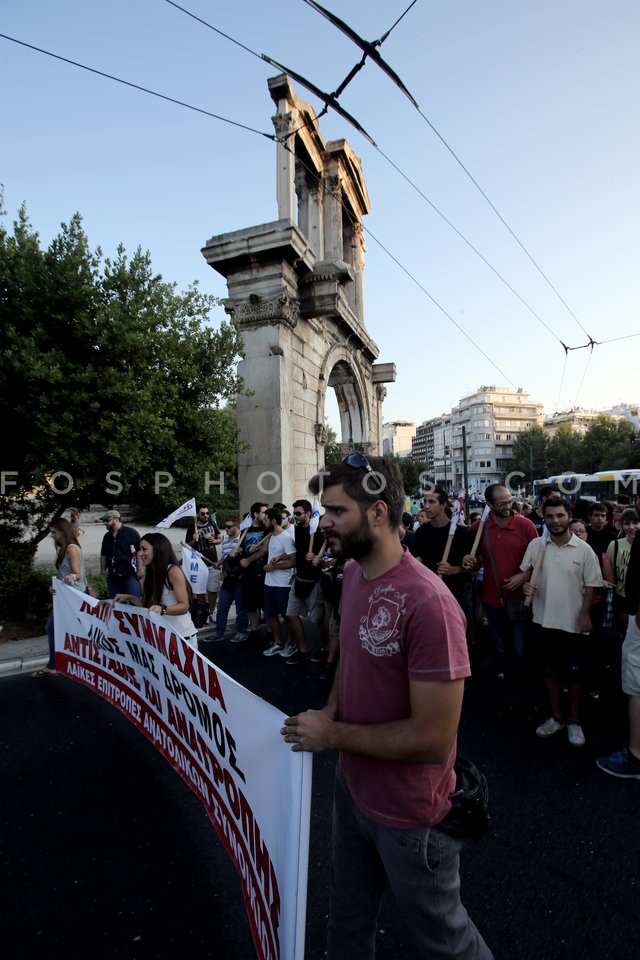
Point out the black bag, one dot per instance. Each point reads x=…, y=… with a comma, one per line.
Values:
x=469, y=812
x=515, y=609
x=231, y=571
x=303, y=588
x=199, y=611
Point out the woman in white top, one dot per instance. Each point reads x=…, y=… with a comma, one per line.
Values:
x=69, y=569
x=165, y=589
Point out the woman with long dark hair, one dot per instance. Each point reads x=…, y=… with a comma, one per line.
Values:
x=165, y=589
x=69, y=569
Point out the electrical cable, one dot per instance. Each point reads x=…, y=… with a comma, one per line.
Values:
x=364, y=45
x=398, y=263
x=137, y=86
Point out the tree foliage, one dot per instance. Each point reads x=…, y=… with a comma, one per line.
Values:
x=531, y=453
x=109, y=375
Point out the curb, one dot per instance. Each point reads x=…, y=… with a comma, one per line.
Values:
x=19, y=665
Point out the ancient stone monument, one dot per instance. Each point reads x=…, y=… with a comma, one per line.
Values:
x=296, y=286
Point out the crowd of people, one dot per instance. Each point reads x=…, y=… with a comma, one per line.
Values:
x=399, y=601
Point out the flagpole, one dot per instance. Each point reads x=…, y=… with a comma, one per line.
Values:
x=536, y=571
x=481, y=525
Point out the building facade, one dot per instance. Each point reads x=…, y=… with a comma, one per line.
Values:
x=484, y=424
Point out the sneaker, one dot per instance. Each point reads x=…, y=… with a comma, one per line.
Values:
x=288, y=650
x=621, y=765
x=549, y=727
x=238, y=638
x=319, y=655
x=272, y=650
x=575, y=734
x=299, y=656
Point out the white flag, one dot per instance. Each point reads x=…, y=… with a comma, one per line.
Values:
x=315, y=516
x=246, y=521
x=194, y=569
x=187, y=509
x=455, y=517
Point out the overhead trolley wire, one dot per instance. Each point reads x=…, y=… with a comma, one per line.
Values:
x=398, y=263
x=137, y=86
x=330, y=100
x=367, y=47
x=274, y=138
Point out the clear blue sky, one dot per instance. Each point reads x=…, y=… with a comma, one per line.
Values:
x=539, y=100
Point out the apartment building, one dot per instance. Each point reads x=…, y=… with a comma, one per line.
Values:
x=488, y=421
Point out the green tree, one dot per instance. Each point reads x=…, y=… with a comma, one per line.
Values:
x=531, y=453
x=565, y=450
x=109, y=379
x=608, y=444
x=332, y=449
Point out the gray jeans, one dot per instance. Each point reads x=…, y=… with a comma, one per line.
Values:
x=422, y=869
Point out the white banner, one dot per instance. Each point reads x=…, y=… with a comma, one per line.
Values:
x=223, y=741
x=195, y=569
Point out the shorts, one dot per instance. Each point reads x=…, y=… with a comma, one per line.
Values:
x=564, y=654
x=311, y=607
x=275, y=601
x=631, y=660
x=213, y=581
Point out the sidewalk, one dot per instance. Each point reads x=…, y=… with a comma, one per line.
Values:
x=17, y=656
x=23, y=656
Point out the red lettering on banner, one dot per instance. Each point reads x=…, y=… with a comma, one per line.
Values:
x=152, y=695
x=81, y=647
x=119, y=616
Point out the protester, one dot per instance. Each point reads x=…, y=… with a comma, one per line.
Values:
x=393, y=713
x=166, y=591
x=69, y=567
x=430, y=541
x=231, y=587
x=504, y=539
x=306, y=599
x=251, y=563
x=615, y=566
x=118, y=556
x=203, y=535
x=281, y=559
x=625, y=763
x=562, y=598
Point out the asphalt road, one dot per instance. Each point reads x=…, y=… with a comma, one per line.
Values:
x=105, y=853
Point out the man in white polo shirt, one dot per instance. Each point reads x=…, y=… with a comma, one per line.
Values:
x=562, y=599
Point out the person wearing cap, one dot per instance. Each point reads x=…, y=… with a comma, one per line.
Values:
x=119, y=556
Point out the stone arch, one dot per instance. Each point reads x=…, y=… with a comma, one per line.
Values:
x=296, y=288
x=340, y=372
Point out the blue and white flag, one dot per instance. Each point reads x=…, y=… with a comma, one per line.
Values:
x=315, y=516
x=194, y=569
x=187, y=509
x=245, y=523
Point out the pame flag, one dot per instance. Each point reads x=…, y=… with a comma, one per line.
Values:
x=194, y=569
x=187, y=509
x=315, y=516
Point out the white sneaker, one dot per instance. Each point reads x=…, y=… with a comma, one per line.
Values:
x=272, y=650
x=288, y=649
x=575, y=734
x=549, y=727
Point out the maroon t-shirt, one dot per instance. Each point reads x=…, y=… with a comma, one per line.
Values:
x=404, y=625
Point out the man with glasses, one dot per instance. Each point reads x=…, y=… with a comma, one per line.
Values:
x=393, y=714
x=504, y=540
x=231, y=587
x=203, y=535
x=305, y=599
